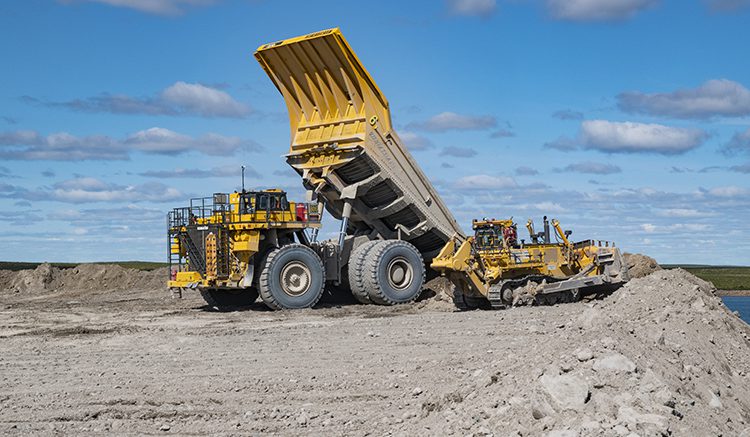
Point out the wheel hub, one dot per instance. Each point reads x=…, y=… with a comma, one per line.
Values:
x=295, y=278
x=400, y=273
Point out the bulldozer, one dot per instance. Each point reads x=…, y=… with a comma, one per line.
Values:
x=495, y=269
x=353, y=166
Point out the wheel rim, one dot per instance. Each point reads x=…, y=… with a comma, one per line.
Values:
x=400, y=273
x=295, y=278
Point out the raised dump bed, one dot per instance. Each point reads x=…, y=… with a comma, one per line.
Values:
x=344, y=147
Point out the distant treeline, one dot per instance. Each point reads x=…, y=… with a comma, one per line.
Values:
x=723, y=277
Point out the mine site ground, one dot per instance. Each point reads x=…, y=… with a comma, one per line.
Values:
x=89, y=353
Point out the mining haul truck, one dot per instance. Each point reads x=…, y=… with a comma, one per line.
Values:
x=355, y=167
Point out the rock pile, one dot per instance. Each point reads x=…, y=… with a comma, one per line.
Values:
x=84, y=277
x=661, y=356
x=640, y=265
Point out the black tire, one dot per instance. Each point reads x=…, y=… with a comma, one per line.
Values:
x=299, y=287
x=224, y=298
x=357, y=271
x=394, y=272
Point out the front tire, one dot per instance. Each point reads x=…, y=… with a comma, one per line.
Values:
x=293, y=277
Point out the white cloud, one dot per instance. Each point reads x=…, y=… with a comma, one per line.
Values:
x=650, y=228
x=414, y=141
x=166, y=142
x=718, y=97
x=482, y=8
x=86, y=189
x=630, y=137
x=485, y=182
x=597, y=10
x=63, y=146
x=451, y=121
x=546, y=207
x=592, y=168
x=200, y=99
x=729, y=191
x=178, y=99
x=156, y=7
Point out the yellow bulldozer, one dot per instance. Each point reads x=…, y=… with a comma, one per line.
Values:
x=234, y=247
x=495, y=269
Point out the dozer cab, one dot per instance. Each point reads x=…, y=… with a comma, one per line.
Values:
x=495, y=269
x=233, y=247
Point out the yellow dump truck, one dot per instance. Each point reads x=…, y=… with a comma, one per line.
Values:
x=355, y=167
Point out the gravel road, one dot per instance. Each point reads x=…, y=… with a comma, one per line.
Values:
x=142, y=363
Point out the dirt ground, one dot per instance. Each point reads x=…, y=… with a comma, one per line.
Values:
x=661, y=356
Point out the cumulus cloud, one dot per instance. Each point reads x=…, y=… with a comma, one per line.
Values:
x=728, y=191
x=179, y=99
x=630, y=137
x=485, y=182
x=447, y=121
x=481, y=8
x=650, y=228
x=718, y=97
x=458, y=152
x=589, y=167
x=597, y=10
x=166, y=142
x=88, y=189
x=568, y=114
x=414, y=141
x=199, y=173
x=744, y=168
x=526, y=171
x=62, y=146
x=740, y=143
x=155, y=7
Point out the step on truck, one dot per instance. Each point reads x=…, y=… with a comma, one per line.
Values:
x=354, y=167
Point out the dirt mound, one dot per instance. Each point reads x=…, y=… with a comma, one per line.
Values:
x=661, y=356
x=84, y=277
x=640, y=265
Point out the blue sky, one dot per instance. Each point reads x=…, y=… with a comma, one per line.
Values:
x=628, y=120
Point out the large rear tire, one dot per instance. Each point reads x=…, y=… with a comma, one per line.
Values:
x=394, y=272
x=292, y=277
x=224, y=299
x=357, y=271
